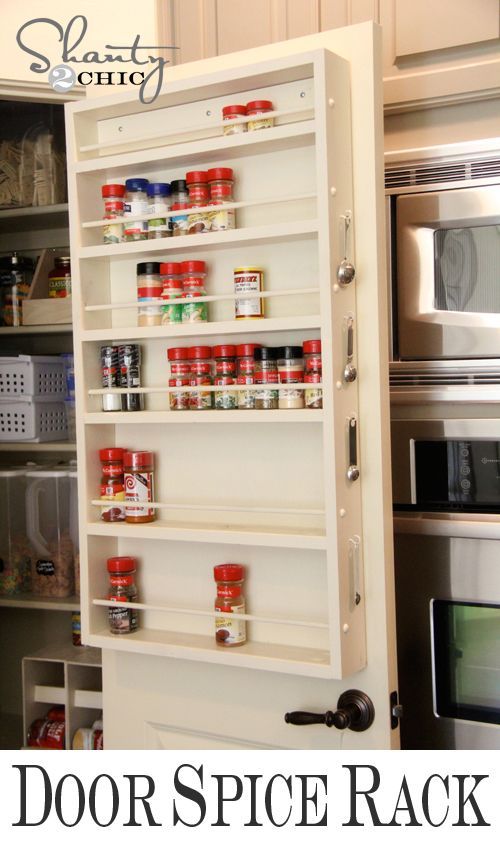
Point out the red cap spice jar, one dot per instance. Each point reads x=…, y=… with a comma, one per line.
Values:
x=180, y=369
x=112, y=484
x=172, y=292
x=225, y=375
x=229, y=600
x=199, y=196
x=246, y=369
x=291, y=371
x=122, y=588
x=221, y=182
x=112, y=194
x=139, y=486
x=259, y=108
x=193, y=274
x=313, y=373
x=201, y=375
x=232, y=114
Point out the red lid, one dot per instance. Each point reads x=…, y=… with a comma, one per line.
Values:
x=312, y=346
x=236, y=109
x=178, y=353
x=170, y=268
x=179, y=205
x=259, y=104
x=135, y=459
x=219, y=174
x=196, y=177
x=229, y=572
x=122, y=564
x=110, y=189
x=192, y=266
x=224, y=351
x=111, y=454
x=199, y=352
x=247, y=349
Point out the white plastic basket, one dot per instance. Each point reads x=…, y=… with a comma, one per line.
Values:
x=35, y=378
x=33, y=421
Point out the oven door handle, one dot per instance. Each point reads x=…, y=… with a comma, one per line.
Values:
x=478, y=526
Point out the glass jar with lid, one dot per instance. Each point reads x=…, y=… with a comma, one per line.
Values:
x=149, y=288
x=193, y=284
x=201, y=376
x=290, y=371
x=135, y=206
x=225, y=376
x=266, y=372
x=258, y=118
x=16, y=273
x=229, y=601
x=180, y=370
x=172, y=293
x=221, y=181
x=60, y=278
x=232, y=114
x=246, y=369
x=158, y=203
x=313, y=373
x=122, y=588
x=199, y=195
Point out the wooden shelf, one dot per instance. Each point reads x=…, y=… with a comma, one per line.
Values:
x=204, y=417
x=301, y=661
x=89, y=656
x=38, y=447
x=43, y=603
x=204, y=532
x=28, y=330
x=34, y=218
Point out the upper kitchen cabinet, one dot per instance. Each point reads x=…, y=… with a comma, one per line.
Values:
x=433, y=52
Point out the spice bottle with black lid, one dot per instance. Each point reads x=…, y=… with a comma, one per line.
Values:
x=266, y=372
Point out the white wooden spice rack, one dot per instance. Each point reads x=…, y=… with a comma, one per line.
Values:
x=275, y=498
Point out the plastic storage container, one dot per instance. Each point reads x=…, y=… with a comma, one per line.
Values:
x=48, y=530
x=37, y=377
x=15, y=551
x=33, y=421
x=73, y=524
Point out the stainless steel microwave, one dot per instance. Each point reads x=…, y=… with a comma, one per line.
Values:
x=445, y=230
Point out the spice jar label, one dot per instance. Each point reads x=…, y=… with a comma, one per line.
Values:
x=139, y=488
x=45, y=568
x=227, y=630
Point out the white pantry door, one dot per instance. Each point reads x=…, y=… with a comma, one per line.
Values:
x=172, y=690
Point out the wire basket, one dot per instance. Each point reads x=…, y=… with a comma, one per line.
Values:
x=32, y=421
x=35, y=378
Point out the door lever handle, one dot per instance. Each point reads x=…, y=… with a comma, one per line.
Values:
x=355, y=711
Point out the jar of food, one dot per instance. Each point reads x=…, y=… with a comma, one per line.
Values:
x=199, y=196
x=47, y=527
x=112, y=484
x=257, y=114
x=225, y=376
x=15, y=551
x=149, y=287
x=158, y=203
x=122, y=588
x=60, y=278
x=266, y=372
x=193, y=282
x=139, y=486
x=248, y=281
x=129, y=360
x=113, y=194
x=180, y=369
x=233, y=113
x=15, y=282
x=172, y=293
x=290, y=371
x=180, y=201
x=110, y=377
x=135, y=206
x=221, y=183
x=313, y=373
x=201, y=375
x=229, y=601
x=246, y=369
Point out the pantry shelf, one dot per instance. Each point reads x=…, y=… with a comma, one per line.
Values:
x=27, y=330
x=250, y=328
x=28, y=600
x=285, y=232
x=278, y=658
x=204, y=417
x=239, y=535
x=38, y=447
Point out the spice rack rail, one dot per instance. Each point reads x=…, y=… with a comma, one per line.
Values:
x=305, y=166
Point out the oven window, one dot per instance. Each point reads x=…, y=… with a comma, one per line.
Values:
x=467, y=660
x=466, y=263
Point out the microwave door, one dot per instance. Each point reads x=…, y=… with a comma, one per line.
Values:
x=448, y=273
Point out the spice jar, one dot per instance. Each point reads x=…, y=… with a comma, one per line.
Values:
x=149, y=286
x=135, y=206
x=180, y=369
x=112, y=194
x=172, y=293
x=139, y=486
x=201, y=375
x=193, y=283
x=122, y=588
x=112, y=484
x=245, y=369
x=266, y=372
x=199, y=195
x=110, y=377
x=159, y=202
x=313, y=373
x=221, y=182
x=290, y=371
x=15, y=282
x=229, y=600
x=129, y=360
x=180, y=201
x=231, y=114
x=248, y=280
x=60, y=278
x=225, y=376
x=259, y=108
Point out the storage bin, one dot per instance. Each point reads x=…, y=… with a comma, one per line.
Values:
x=36, y=377
x=32, y=421
x=48, y=530
x=15, y=550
